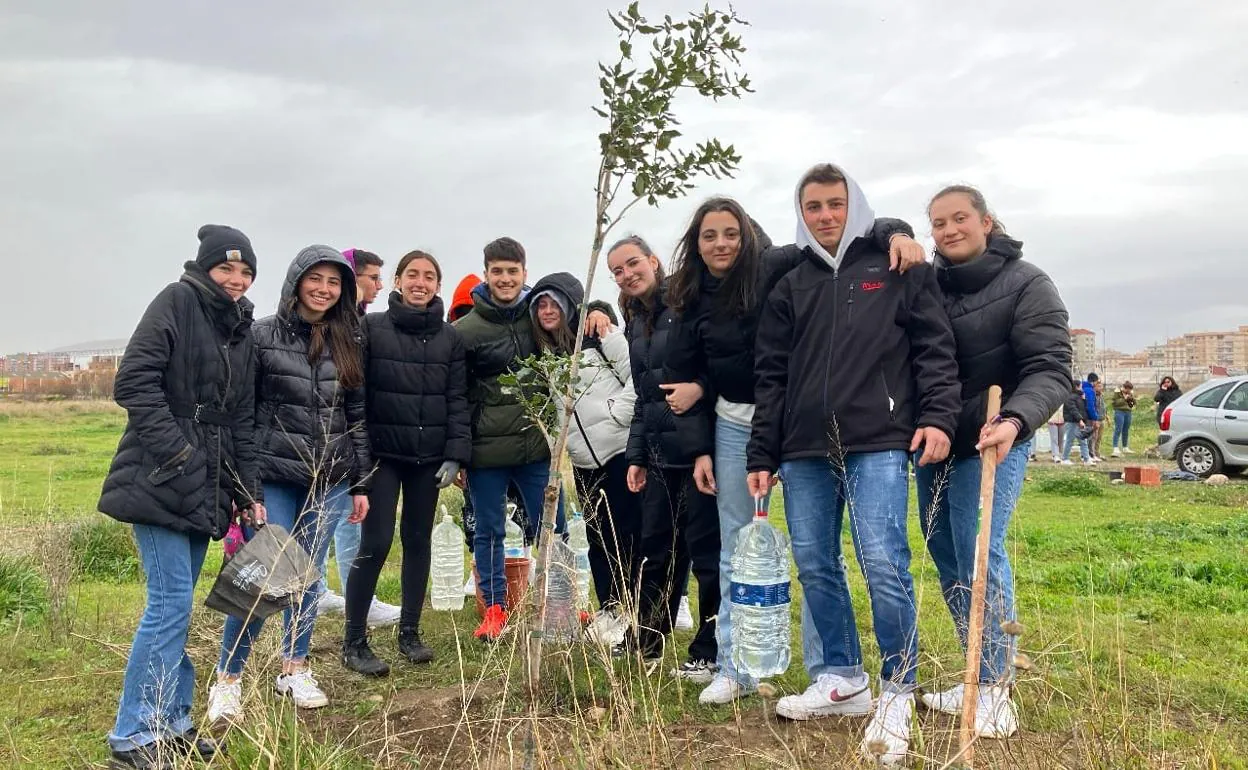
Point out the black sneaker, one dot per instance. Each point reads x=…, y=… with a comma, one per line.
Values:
x=412, y=648
x=696, y=671
x=357, y=656
x=154, y=756
x=196, y=746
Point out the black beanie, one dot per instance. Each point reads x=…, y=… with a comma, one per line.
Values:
x=220, y=243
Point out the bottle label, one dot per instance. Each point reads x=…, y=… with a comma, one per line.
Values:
x=759, y=596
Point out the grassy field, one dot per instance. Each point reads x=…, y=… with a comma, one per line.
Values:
x=1135, y=603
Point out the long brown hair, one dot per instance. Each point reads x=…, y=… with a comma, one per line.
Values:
x=339, y=332
x=737, y=294
x=625, y=301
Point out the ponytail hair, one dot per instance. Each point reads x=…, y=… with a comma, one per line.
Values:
x=977, y=202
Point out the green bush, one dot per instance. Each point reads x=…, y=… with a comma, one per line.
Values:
x=22, y=591
x=1070, y=485
x=104, y=550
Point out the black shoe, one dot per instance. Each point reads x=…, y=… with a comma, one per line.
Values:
x=357, y=656
x=153, y=756
x=191, y=743
x=412, y=648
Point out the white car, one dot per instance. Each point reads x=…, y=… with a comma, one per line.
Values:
x=1205, y=430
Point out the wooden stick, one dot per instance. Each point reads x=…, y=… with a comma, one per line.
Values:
x=979, y=588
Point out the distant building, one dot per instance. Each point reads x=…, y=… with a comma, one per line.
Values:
x=1083, y=341
x=27, y=364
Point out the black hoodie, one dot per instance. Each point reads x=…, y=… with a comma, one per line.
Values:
x=850, y=357
x=307, y=424
x=1012, y=330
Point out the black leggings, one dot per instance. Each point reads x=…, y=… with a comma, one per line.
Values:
x=614, y=524
x=679, y=531
x=420, y=498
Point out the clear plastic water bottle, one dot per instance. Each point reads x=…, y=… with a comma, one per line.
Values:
x=447, y=565
x=578, y=540
x=513, y=540
x=760, y=598
x=560, y=621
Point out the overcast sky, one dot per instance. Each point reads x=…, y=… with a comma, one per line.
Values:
x=1111, y=137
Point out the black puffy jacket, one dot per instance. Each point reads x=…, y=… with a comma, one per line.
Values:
x=187, y=383
x=417, y=385
x=307, y=425
x=1012, y=330
x=656, y=438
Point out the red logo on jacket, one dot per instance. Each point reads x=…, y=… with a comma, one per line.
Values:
x=872, y=285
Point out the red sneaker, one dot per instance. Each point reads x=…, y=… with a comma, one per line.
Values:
x=492, y=626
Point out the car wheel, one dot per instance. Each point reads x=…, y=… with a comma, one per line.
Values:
x=1198, y=457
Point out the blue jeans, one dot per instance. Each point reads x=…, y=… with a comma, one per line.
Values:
x=949, y=516
x=875, y=487
x=736, y=509
x=1072, y=435
x=1122, y=429
x=488, y=488
x=160, y=680
x=346, y=546
x=310, y=515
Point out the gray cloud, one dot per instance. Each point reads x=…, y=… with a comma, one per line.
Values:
x=1107, y=135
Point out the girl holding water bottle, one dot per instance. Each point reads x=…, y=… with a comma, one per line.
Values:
x=418, y=422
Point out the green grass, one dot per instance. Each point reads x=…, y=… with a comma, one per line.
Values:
x=1135, y=603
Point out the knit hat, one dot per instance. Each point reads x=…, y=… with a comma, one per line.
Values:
x=461, y=299
x=220, y=243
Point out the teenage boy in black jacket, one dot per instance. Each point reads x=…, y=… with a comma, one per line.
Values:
x=855, y=369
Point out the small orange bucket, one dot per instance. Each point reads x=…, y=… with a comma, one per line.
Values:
x=517, y=584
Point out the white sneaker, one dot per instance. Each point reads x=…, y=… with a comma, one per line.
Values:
x=606, y=628
x=995, y=715
x=1126, y=450
x=684, y=618
x=830, y=695
x=1090, y=462
x=1057, y=459
x=302, y=689
x=331, y=603
x=1116, y=453
x=1067, y=462
x=381, y=614
x=946, y=701
x=887, y=739
x=470, y=587
x=723, y=690
x=225, y=702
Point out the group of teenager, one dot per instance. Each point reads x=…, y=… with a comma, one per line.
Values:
x=835, y=364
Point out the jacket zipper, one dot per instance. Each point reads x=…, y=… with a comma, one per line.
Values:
x=585, y=436
x=849, y=319
x=827, y=368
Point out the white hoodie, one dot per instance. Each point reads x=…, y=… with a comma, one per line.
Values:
x=857, y=225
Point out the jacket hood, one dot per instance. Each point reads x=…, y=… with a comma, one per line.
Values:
x=461, y=299
x=305, y=260
x=970, y=277
x=858, y=223
x=566, y=290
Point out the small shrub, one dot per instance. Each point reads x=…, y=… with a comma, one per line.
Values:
x=50, y=450
x=21, y=588
x=1070, y=485
x=104, y=550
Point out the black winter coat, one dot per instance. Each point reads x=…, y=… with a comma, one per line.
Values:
x=417, y=385
x=656, y=438
x=851, y=361
x=1074, y=408
x=187, y=383
x=308, y=427
x=1012, y=330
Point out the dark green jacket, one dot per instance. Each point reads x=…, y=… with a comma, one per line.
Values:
x=494, y=339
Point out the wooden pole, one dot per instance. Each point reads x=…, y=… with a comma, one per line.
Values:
x=979, y=587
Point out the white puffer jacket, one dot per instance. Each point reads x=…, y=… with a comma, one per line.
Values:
x=604, y=406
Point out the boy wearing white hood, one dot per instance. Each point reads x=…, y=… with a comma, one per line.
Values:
x=855, y=370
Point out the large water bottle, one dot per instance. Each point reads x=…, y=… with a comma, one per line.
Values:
x=561, y=622
x=513, y=540
x=760, y=598
x=578, y=540
x=447, y=565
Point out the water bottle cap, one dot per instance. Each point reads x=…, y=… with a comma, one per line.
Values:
x=759, y=511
